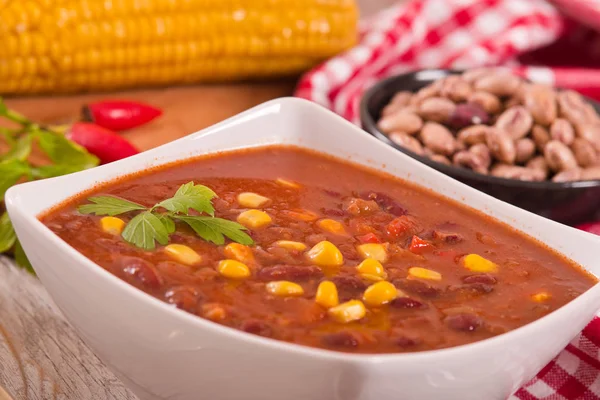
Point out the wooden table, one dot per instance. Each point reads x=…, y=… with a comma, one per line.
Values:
x=41, y=357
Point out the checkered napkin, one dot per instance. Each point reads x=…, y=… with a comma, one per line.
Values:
x=555, y=42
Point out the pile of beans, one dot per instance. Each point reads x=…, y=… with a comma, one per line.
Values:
x=495, y=123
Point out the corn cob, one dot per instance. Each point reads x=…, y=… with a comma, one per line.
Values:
x=83, y=45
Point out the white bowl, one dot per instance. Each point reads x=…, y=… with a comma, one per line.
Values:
x=161, y=352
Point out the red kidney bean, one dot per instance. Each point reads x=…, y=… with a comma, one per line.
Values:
x=139, y=272
x=257, y=327
x=468, y=114
x=385, y=202
x=332, y=193
x=464, y=322
x=348, y=285
x=476, y=287
x=451, y=238
x=183, y=297
x=289, y=272
x=417, y=287
x=341, y=339
x=480, y=278
x=333, y=212
x=348, y=251
x=407, y=302
x=405, y=341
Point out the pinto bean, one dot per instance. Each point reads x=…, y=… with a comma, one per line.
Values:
x=441, y=159
x=559, y=157
x=473, y=134
x=525, y=150
x=357, y=206
x=471, y=161
x=540, y=100
x=501, y=145
x=437, y=109
x=591, y=173
x=572, y=107
x=568, y=175
x=406, y=141
x=401, y=121
x=438, y=138
x=490, y=103
x=498, y=83
x=516, y=122
x=540, y=136
x=591, y=133
x=584, y=152
x=539, y=163
x=516, y=172
x=401, y=98
x=289, y=272
x=455, y=88
x=563, y=131
x=483, y=152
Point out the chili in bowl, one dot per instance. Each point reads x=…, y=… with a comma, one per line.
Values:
x=316, y=265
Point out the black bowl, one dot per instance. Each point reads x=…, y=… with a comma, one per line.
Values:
x=566, y=202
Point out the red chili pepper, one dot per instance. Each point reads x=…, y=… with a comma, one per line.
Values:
x=368, y=238
x=591, y=227
x=119, y=115
x=417, y=244
x=103, y=143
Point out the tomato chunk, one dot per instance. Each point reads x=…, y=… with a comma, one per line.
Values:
x=368, y=238
x=401, y=227
x=418, y=245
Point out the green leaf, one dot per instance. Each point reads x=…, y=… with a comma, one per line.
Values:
x=108, y=205
x=10, y=173
x=20, y=150
x=167, y=222
x=144, y=230
x=196, y=197
x=21, y=258
x=214, y=229
x=50, y=171
x=7, y=233
x=65, y=152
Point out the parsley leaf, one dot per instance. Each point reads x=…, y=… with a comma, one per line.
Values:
x=167, y=222
x=10, y=173
x=196, y=197
x=21, y=258
x=63, y=151
x=213, y=229
x=144, y=230
x=7, y=233
x=108, y=205
x=19, y=150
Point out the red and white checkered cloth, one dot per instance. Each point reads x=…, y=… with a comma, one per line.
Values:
x=547, y=41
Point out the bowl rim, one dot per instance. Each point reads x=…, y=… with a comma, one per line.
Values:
x=369, y=124
x=196, y=322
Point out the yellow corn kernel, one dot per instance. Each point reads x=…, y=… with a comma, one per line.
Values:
x=239, y=252
x=327, y=295
x=541, y=297
x=424, y=273
x=371, y=269
x=349, y=311
x=233, y=269
x=287, y=183
x=284, y=288
x=183, y=254
x=332, y=226
x=325, y=254
x=112, y=225
x=291, y=245
x=476, y=263
x=254, y=219
x=379, y=294
x=252, y=200
x=376, y=251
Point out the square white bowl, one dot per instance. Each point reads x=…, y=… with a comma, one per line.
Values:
x=161, y=352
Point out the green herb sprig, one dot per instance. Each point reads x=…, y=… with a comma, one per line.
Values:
x=65, y=156
x=150, y=226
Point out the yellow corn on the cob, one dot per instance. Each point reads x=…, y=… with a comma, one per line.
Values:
x=77, y=45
